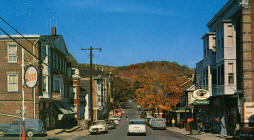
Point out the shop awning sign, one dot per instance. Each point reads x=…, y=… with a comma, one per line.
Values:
x=201, y=102
x=201, y=94
x=31, y=76
x=248, y=111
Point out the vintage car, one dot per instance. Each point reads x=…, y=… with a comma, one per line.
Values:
x=111, y=124
x=137, y=127
x=32, y=127
x=158, y=123
x=98, y=127
x=116, y=121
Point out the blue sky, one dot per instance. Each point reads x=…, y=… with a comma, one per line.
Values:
x=128, y=31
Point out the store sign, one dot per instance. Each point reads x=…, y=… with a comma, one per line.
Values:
x=248, y=112
x=31, y=76
x=201, y=94
x=201, y=102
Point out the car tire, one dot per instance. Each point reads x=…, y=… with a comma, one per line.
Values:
x=128, y=134
x=2, y=133
x=144, y=134
x=30, y=133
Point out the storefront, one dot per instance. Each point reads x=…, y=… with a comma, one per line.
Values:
x=226, y=105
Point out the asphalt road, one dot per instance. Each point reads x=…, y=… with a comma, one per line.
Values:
x=120, y=133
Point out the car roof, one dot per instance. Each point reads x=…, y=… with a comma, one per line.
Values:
x=136, y=120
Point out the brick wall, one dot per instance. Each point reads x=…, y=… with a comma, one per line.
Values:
x=11, y=101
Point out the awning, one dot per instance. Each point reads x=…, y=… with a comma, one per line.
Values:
x=180, y=110
x=65, y=108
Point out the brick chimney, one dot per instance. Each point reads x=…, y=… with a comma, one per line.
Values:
x=53, y=31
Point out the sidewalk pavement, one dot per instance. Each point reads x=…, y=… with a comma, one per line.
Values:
x=75, y=131
x=203, y=136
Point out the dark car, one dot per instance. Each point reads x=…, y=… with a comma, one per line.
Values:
x=32, y=127
x=110, y=124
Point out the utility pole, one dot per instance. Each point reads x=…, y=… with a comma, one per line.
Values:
x=91, y=77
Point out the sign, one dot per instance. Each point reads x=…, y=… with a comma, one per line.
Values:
x=201, y=94
x=201, y=102
x=248, y=112
x=31, y=76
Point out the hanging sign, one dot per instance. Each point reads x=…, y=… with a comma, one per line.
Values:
x=31, y=76
x=201, y=94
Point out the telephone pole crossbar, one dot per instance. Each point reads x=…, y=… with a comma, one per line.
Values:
x=91, y=78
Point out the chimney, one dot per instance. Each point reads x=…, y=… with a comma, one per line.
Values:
x=53, y=31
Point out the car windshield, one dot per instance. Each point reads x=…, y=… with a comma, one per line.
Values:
x=136, y=122
x=98, y=123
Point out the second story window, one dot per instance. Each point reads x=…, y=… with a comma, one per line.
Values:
x=230, y=35
x=12, y=82
x=12, y=52
x=57, y=86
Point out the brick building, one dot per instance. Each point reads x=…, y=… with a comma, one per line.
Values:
x=49, y=99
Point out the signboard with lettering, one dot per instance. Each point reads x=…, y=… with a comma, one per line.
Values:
x=248, y=112
x=31, y=76
x=201, y=94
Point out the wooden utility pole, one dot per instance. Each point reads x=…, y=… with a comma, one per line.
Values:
x=91, y=78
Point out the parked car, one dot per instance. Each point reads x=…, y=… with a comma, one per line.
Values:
x=143, y=114
x=115, y=120
x=116, y=117
x=147, y=120
x=98, y=127
x=137, y=127
x=158, y=123
x=110, y=124
x=32, y=127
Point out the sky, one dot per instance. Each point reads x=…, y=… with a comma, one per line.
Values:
x=128, y=31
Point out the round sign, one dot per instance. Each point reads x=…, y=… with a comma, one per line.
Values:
x=201, y=94
x=31, y=76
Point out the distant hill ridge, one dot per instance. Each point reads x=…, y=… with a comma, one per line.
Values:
x=162, y=67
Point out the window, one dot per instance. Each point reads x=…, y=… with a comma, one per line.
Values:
x=230, y=73
x=230, y=35
x=57, y=62
x=222, y=74
x=12, y=82
x=57, y=86
x=54, y=59
x=12, y=52
x=43, y=83
x=214, y=43
x=43, y=52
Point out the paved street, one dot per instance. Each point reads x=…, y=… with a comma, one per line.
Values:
x=119, y=133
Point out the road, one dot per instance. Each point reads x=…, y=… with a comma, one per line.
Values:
x=120, y=133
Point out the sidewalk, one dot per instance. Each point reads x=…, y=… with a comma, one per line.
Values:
x=203, y=136
x=75, y=131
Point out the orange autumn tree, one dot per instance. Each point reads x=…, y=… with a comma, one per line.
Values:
x=159, y=90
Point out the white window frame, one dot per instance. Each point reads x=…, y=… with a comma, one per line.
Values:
x=8, y=82
x=8, y=52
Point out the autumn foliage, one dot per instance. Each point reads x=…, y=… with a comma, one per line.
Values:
x=156, y=85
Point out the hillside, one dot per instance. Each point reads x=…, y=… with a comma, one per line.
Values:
x=161, y=67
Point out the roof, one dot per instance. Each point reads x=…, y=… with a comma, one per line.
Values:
x=222, y=11
x=57, y=41
x=72, y=60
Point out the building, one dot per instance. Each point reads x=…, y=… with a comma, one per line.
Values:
x=226, y=69
x=49, y=99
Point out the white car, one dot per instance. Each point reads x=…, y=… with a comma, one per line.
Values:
x=115, y=120
x=98, y=127
x=136, y=127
